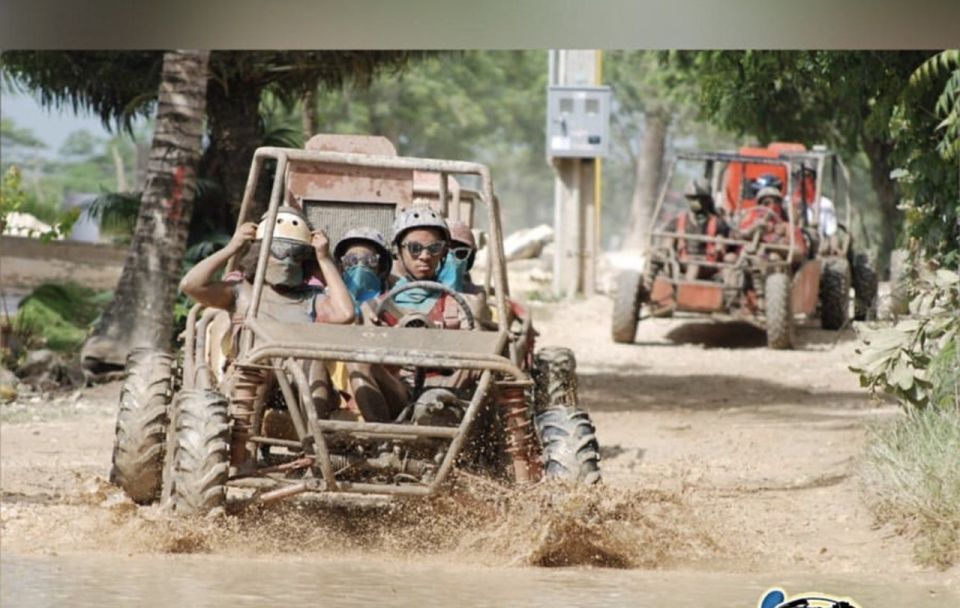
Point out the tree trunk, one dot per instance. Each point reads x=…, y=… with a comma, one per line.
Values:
x=141, y=313
x=649, y=173
x=309, y=114
x=233, y=115
x=878, y=151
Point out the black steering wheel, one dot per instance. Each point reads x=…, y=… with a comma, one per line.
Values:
x=431, y=286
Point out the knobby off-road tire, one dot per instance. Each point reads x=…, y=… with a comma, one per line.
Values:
x=778, y=311
x=567, y=435
x=626, y=306
x=865, y=288
x=834, y=294
x=202, y=459
x=140, y=436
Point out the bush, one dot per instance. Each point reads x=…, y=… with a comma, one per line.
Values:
x=912, y=477
x=916, y=360
x=58, y=316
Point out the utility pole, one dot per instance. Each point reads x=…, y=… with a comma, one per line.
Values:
x=577, y=137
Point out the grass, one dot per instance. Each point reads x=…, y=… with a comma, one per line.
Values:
x=912, y=478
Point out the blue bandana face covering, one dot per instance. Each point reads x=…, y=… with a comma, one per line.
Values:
x=453, y=273
x=362, y=283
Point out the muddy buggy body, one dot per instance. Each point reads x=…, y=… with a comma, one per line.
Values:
x=181, y=423
x=764, y=283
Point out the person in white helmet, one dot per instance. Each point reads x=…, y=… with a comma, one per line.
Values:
x=295, y=253
x=286, y=296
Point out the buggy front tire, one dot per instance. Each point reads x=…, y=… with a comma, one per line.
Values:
x=626, y=306
x=567, y=436
x=141, y=429
x=778, y=309
x=201, y=463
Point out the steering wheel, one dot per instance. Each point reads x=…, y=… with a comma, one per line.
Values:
x=431, y=286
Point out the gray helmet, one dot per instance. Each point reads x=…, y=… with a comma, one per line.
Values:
x=418, y=217
x=770, y=191
x=696, y=189
x=368, y=236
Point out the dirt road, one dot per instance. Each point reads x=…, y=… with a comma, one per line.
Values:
x=725, y=463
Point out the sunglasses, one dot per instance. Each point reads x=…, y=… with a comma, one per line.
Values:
x=415, y=248
x=461, y=253
x=370, y=260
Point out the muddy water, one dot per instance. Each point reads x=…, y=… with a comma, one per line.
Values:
x=104, y=580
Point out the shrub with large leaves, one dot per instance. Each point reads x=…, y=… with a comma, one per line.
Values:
x=916, y=360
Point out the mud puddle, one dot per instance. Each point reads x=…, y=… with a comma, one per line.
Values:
x=476, y=522
x=104, y=580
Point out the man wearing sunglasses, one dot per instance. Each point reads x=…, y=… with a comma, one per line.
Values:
x=421, y=241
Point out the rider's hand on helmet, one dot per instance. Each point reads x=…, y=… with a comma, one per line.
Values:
x=321, y=244
x=245, y=232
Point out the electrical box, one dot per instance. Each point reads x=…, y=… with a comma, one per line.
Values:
x=578, y=121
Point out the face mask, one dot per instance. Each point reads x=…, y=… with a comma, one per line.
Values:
x=362, y=283
x=453, y=273
x=288, y=272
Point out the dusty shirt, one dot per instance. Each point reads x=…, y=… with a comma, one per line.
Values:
x=293, y=306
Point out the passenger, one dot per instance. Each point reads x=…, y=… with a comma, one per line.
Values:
x=286, y=296
x=364, y=262
x=701, y=219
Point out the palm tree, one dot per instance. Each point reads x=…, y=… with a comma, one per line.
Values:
x=120, y=86
x=139, y=315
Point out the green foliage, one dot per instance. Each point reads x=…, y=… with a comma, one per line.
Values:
x=12, y=196
x=912, y=476
x=916, y=359
x=14, y=199
x=480, y=105
x=948, y=103
x=58, y=315
x=120, y=86
x=832, y=97
x=926, y=155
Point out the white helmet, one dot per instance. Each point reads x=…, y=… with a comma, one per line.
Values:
x=291, y=225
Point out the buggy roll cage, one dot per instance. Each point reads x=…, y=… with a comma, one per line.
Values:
x=791, y=160
x=488, y=352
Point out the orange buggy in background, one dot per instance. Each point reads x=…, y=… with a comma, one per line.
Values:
x=762, y=280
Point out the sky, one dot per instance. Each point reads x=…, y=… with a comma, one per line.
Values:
x=51, y=126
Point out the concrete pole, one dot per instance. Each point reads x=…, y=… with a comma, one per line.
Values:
x=575, y=230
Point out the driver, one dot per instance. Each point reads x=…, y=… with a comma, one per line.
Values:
x=770, y=218
x=421, y=240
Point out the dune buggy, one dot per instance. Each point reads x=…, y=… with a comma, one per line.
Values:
x=182, y=417
x=756, y=280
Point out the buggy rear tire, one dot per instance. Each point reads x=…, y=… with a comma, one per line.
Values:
x=141, y=430
x=778, y=308
x=834, y=294
x=567, y=435
x=865, y=288
x=626, y=306
x=202, y=460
